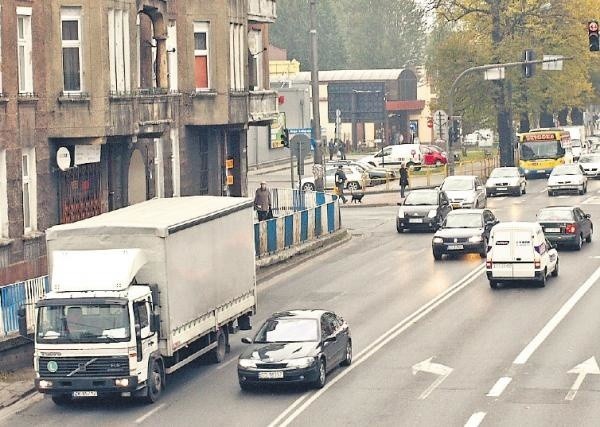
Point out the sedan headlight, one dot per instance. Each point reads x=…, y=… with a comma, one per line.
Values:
x=432, y=213
x=401, y=213
x=438, y=240
x=302, y=362
x=246, y=363
x=475, y=239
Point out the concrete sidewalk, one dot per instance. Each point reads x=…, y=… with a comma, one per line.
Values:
x=15, y=386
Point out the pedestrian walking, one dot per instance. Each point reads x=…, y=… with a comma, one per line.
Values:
x=403, y=179
x=340, y=182
x=342, y=150
x=262, y=202
x=331, y=148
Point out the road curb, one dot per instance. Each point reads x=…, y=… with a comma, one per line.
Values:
x=269, y=267
x=372, y=205
x=18, y=397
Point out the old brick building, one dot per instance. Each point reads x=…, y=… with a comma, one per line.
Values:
x=108, y=103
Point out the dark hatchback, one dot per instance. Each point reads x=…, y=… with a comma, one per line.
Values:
x=297, y=346
x=464, y=231
x=566, y=225
x=423, y=210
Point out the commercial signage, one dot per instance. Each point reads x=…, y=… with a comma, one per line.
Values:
x=87, y=154
x=540, y=137
x=277, y=127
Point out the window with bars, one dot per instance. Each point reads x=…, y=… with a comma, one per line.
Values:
x=201, y=55
x=70, y=21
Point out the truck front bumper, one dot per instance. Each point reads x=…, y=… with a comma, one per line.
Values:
x=101, y=385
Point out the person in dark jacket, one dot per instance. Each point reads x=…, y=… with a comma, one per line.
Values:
x=331, y=148
x=340, y=182
x=262, y=201
x=403, y=179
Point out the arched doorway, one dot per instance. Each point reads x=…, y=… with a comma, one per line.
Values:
x=136, y=187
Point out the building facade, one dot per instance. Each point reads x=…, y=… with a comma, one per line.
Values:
x=108, y=103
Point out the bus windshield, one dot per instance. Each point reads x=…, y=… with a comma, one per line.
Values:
x=541, y=150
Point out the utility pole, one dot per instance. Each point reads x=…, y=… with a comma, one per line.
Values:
x=318, y=170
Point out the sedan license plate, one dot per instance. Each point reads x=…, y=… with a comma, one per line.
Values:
x=85, y=394
x=501, y=188
x=542, y=171
x=552, y=230
x=416, y=220
x=455, y=247
x=271, y=375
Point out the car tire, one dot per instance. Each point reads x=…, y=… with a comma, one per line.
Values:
x=582, y=190
x=588, y=239
x=308, y=187
x=437, y=255
x=493, y=284
x=550, y=193
x=542, y=281
x=578, y=242
x=217, y=354
x=555, y=271
x=483, y=253
x=524, y=189
x=353, y=186
x=348, y=356
x=156, y=376
x=61, y=399
x=321, y=374
x=399, y=229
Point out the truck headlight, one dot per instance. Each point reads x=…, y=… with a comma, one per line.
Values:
x=122, y=382
x=438, y=240
x=432, y=213
x=45, y=384
x=302, y=362
x=246, y=363
x=401, y=213
x=475, y=239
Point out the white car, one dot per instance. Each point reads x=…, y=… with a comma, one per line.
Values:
x=392, y=156
x=520, y=251
x=567, y=178
x=465, y=191
x=507, y=180
x=590, y=163
x=356, y=179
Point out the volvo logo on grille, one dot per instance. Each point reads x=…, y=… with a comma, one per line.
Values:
x=455, y=240
x=52, y=366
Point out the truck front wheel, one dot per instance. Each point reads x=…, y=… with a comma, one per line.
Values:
x=156, y=376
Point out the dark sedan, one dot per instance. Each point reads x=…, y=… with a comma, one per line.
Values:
x=297, y=346
x=566, y=225
x=423, y=209
x=464, y=231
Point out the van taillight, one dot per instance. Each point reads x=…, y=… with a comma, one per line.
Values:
x=537, y=263
x=488, y=263
x=570, y=229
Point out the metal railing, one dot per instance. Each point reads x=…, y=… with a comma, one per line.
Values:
x=12, y=297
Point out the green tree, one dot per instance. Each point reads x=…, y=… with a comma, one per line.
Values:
x=291, y=31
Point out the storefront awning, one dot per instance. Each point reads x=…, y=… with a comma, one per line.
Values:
x=410, y=105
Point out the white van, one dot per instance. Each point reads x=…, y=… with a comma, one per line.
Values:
x=520, y=251
x=392, y=156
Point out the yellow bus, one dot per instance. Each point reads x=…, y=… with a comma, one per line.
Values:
x=540, y=150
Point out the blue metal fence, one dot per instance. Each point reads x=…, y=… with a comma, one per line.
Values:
x=12, y=297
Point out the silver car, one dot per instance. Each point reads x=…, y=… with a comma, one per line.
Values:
x=567, y=178
x=590, y=163
x=506, y=180
x=465, y=191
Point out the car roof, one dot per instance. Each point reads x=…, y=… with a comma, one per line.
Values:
x=461, y=176
x=517, y=226
x=466, y=211
x=506, y=167
x=299, y=314
x=425, y=190
x=558, y=208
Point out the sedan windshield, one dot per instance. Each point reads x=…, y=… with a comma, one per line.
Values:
x=566, y=170
x=555, y=215
x=421, y=198
x=288, y=330
x=90, y=323
x=458, y=184
x=471, y=220
x=504, y=173
x=590, y=158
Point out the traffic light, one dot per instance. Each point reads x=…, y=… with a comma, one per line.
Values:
x=285, y=137
x=455, y=132
x=528, y=69
x=593, y=35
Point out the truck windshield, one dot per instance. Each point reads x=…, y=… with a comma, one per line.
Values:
x=89, y=323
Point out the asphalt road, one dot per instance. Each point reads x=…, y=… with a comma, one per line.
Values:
x=433, y=344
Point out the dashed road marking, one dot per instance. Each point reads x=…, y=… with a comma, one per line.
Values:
x=475, y=419
x=499, y=387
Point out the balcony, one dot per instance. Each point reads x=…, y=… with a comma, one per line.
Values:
x=262, y=10
x=262, y=106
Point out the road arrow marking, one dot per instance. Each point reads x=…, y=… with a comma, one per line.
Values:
x=589, y=367
x=432, y=368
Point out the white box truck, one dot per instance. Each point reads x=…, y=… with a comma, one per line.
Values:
x=141, y=291
x=578, y=140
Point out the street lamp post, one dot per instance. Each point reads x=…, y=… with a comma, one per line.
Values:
x=318, y=171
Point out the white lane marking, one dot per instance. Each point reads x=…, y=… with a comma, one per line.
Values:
x=442, y=371
x=526, y=353
x=149, y=414
x=499, y=387
x=300, y=405
x=589, y=367
x=475, y=419
x=229, y=362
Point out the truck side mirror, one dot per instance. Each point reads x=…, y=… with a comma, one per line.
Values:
x=138, y=331
x=155, y=323
x=22, y=316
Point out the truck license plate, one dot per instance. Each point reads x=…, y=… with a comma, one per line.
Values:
x=271, y=375
x=455, y=247
x=416, y=220
x=85, y=394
